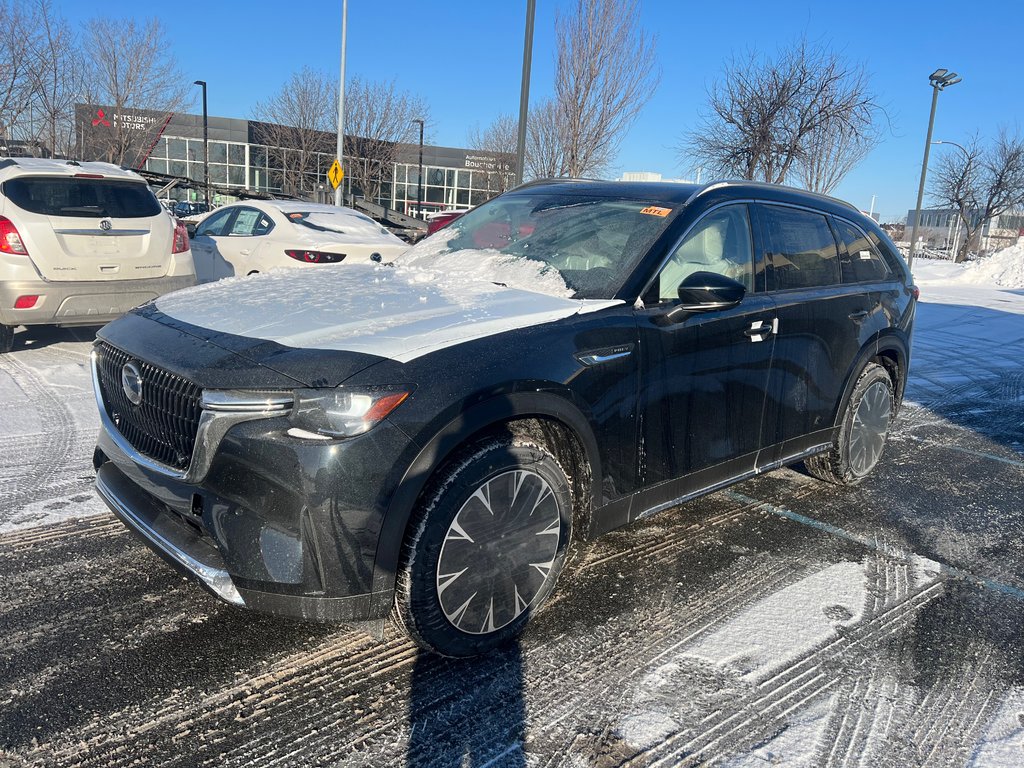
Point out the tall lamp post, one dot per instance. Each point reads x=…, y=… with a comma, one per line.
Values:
x=206, y=146
x=939, y=80
x=419, y=188
x=967, y=155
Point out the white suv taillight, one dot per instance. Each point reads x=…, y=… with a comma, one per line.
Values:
x=180, y=239
x=10, y=240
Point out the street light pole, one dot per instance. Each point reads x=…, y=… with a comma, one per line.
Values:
x=338, y=192
x=939, y=80
x=206, y=146
x=524, y=92
x=419, y=187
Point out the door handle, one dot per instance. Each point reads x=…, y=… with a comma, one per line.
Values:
x=760, y=330
x=858, y=316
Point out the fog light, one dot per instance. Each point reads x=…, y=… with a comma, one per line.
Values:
x=25, y=302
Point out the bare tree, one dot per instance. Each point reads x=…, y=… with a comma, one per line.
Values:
x=980, y=184
x=832, y=151
x=133, y=72
x=499, y=139
x=605, y=73
x=18, y=33
x=544, y=154
x=378, y=117
x=57, y=79
x=296, y=122
x=806, y=110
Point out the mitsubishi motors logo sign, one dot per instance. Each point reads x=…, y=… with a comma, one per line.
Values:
x=100, y=119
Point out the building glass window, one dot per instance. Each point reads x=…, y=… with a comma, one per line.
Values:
x=218, y=152
x=236, y=175
x=176, y=149
x=178, y=168
x=219, y=174
x=236, y=154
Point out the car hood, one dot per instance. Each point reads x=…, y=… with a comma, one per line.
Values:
x=400, y=313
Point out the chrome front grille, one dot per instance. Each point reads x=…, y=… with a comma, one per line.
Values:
x=164, y=424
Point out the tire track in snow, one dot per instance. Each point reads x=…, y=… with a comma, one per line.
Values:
x=50, y=457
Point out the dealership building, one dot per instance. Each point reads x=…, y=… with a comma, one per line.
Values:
x=241, y=160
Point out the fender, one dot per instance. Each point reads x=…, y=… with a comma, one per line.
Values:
x=888, y=340
x=550, y=404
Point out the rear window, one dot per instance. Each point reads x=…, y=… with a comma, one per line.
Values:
x=82, y=198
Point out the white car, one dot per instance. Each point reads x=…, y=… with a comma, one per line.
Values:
x=257, y=235
x=82, y=243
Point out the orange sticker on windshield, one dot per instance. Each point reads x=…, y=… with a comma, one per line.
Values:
x=654, y=210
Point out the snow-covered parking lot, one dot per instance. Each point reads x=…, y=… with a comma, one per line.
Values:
x=780, y=622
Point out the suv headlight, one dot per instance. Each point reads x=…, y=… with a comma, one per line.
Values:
x=329, y=414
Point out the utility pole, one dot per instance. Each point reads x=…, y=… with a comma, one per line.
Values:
x=524, y=92
x=338, y=193
x=419, y=187
x=206, y=146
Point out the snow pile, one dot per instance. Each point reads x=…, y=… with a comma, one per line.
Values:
x=468, y=266
x=1004, y=268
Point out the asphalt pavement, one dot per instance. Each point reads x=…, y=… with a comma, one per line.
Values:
x=782, y=621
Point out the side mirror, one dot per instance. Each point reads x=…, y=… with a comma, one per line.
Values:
x=191, y=229
x=706, y=292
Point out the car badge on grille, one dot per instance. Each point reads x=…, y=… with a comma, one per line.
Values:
x=131, y=383
x=106, y=225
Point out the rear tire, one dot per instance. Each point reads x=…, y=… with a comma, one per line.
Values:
x=485, y=546
x=6, y=338
x=863, y=430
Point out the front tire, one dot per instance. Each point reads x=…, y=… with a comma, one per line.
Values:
x=485, y=547
x=863, y=430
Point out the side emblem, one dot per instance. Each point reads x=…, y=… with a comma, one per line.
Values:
x=131, y=383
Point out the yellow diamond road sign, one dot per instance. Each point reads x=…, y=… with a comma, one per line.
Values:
x=335, y=174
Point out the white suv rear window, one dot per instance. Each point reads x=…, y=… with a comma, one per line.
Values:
x=82, y=198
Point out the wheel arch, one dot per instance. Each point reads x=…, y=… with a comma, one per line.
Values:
x=548, y=416
x=888, y=349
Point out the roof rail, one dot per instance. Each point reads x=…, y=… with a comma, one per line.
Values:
x=7, y=162
x=718, y=183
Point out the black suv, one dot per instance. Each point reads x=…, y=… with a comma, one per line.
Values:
x=434, y=434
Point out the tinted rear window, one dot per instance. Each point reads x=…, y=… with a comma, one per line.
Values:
x=82, y=198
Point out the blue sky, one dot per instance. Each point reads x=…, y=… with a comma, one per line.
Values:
x=465, y=59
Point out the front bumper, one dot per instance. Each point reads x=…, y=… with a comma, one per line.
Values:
x=262, y=519
x=81, y=303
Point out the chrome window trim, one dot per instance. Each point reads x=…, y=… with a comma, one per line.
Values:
x=227, y=408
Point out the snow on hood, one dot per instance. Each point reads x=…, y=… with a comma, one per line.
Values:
x=397, y=312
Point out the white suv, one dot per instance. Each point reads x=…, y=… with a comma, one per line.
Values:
x=82, y=243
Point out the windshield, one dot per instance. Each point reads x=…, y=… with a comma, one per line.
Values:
x=564, y=244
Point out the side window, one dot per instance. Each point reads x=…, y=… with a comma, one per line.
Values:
x=720, y=243
x=861, y=263
x=215, y=224
x=245, y=222
x=802, y=250
x=264, y=225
